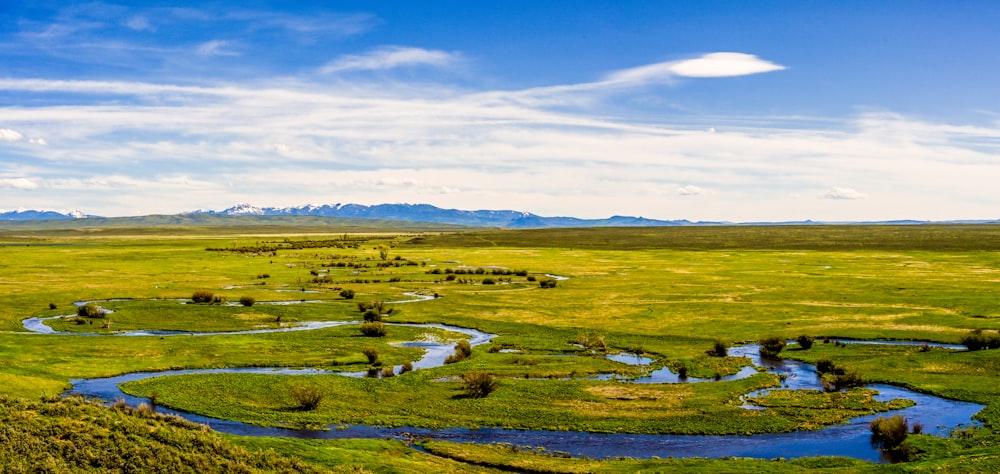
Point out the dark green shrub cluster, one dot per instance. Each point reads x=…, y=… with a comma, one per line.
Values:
x=978, y=340
x=91, y=310
x=307, y=397
x=247, y=301
x=52, y=306
x=371, y=354
x=479, y=384
x=373, y=329
x=347, y=294
x=202, y=296
x=805, y=342
x=835, y=379
x=406, y=367
x=463, y=350
x=889, y=434
x=771, y=346
x=547, y=283
x=489, y=281
x=719, y=349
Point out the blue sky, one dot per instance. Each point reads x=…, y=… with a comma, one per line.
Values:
x=737, y=111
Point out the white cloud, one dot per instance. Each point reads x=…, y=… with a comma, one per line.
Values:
x=844, y=194
x=709, y=65
x=215, y=48
x=18, y=183
x=8, y=135
x=38, y=141
x=139, y=23
x=391, y=57
x=723, y=65
x=373, y=143
x=690, y=190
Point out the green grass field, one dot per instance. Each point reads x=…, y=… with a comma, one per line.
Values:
x=667, y=293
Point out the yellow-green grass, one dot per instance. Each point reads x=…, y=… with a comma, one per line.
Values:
x=667, y=293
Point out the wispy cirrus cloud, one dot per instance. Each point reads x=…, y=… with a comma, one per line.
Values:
x=288, y=143
x=391, y=57
x=712, y=65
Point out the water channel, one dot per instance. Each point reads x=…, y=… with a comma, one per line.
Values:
x=937, y=415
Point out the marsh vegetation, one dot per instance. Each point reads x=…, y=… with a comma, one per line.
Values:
x=673, y=295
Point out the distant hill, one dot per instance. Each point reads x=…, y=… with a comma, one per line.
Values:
x=417, y=213
x=32, y=215
x=429, y=213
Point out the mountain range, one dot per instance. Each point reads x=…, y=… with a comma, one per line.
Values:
x=432, y=214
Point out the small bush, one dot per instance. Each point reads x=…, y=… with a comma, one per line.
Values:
x=489, y=281
x=406, y=367
x=347, y=294
x=373, y=329
x=888, y=433
x=841, y=379
x=218, y=299
x=371, y=353
x=593, y=341
x=247, y=301
x=978, y=340
x=53, y=306
x=91, y=310
x=682, y=372
x=531, y=278
x=307, y=397
x=771, y=346
x=479, y=384
x=463, y=350
x=547, y=283
x=202, y=296
x=388, y=371
x=372, y=315
x=805, y=342
x=719, y=349
x=825, y=366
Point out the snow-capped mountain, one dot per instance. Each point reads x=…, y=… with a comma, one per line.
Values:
x=429, y=213
x=33, y=215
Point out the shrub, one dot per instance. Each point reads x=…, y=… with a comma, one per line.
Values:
x=547, y=283
x=406, y=367
x=888, y=434
x=347, y=294
x=388, y=371
x=978, y=340
x=463, y=350
x=307, y=397
x=682, y=372
x=91, y=310
x=218, y=299
x=841, y=379
x=771, y=346
x=825, y=366
x=247, y=300
x=52, y=306
x=479, y=384
x=202, y=296
x=719, y=349
x=592, y=341
x=373, y=329
x=531, y=278
x=805, y=342
x=372, y=315
x=371, y=353
x=489, y=281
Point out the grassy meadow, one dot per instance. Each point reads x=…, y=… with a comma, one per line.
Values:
x=665, y=293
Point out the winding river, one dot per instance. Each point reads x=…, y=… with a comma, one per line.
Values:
x=938, y=415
